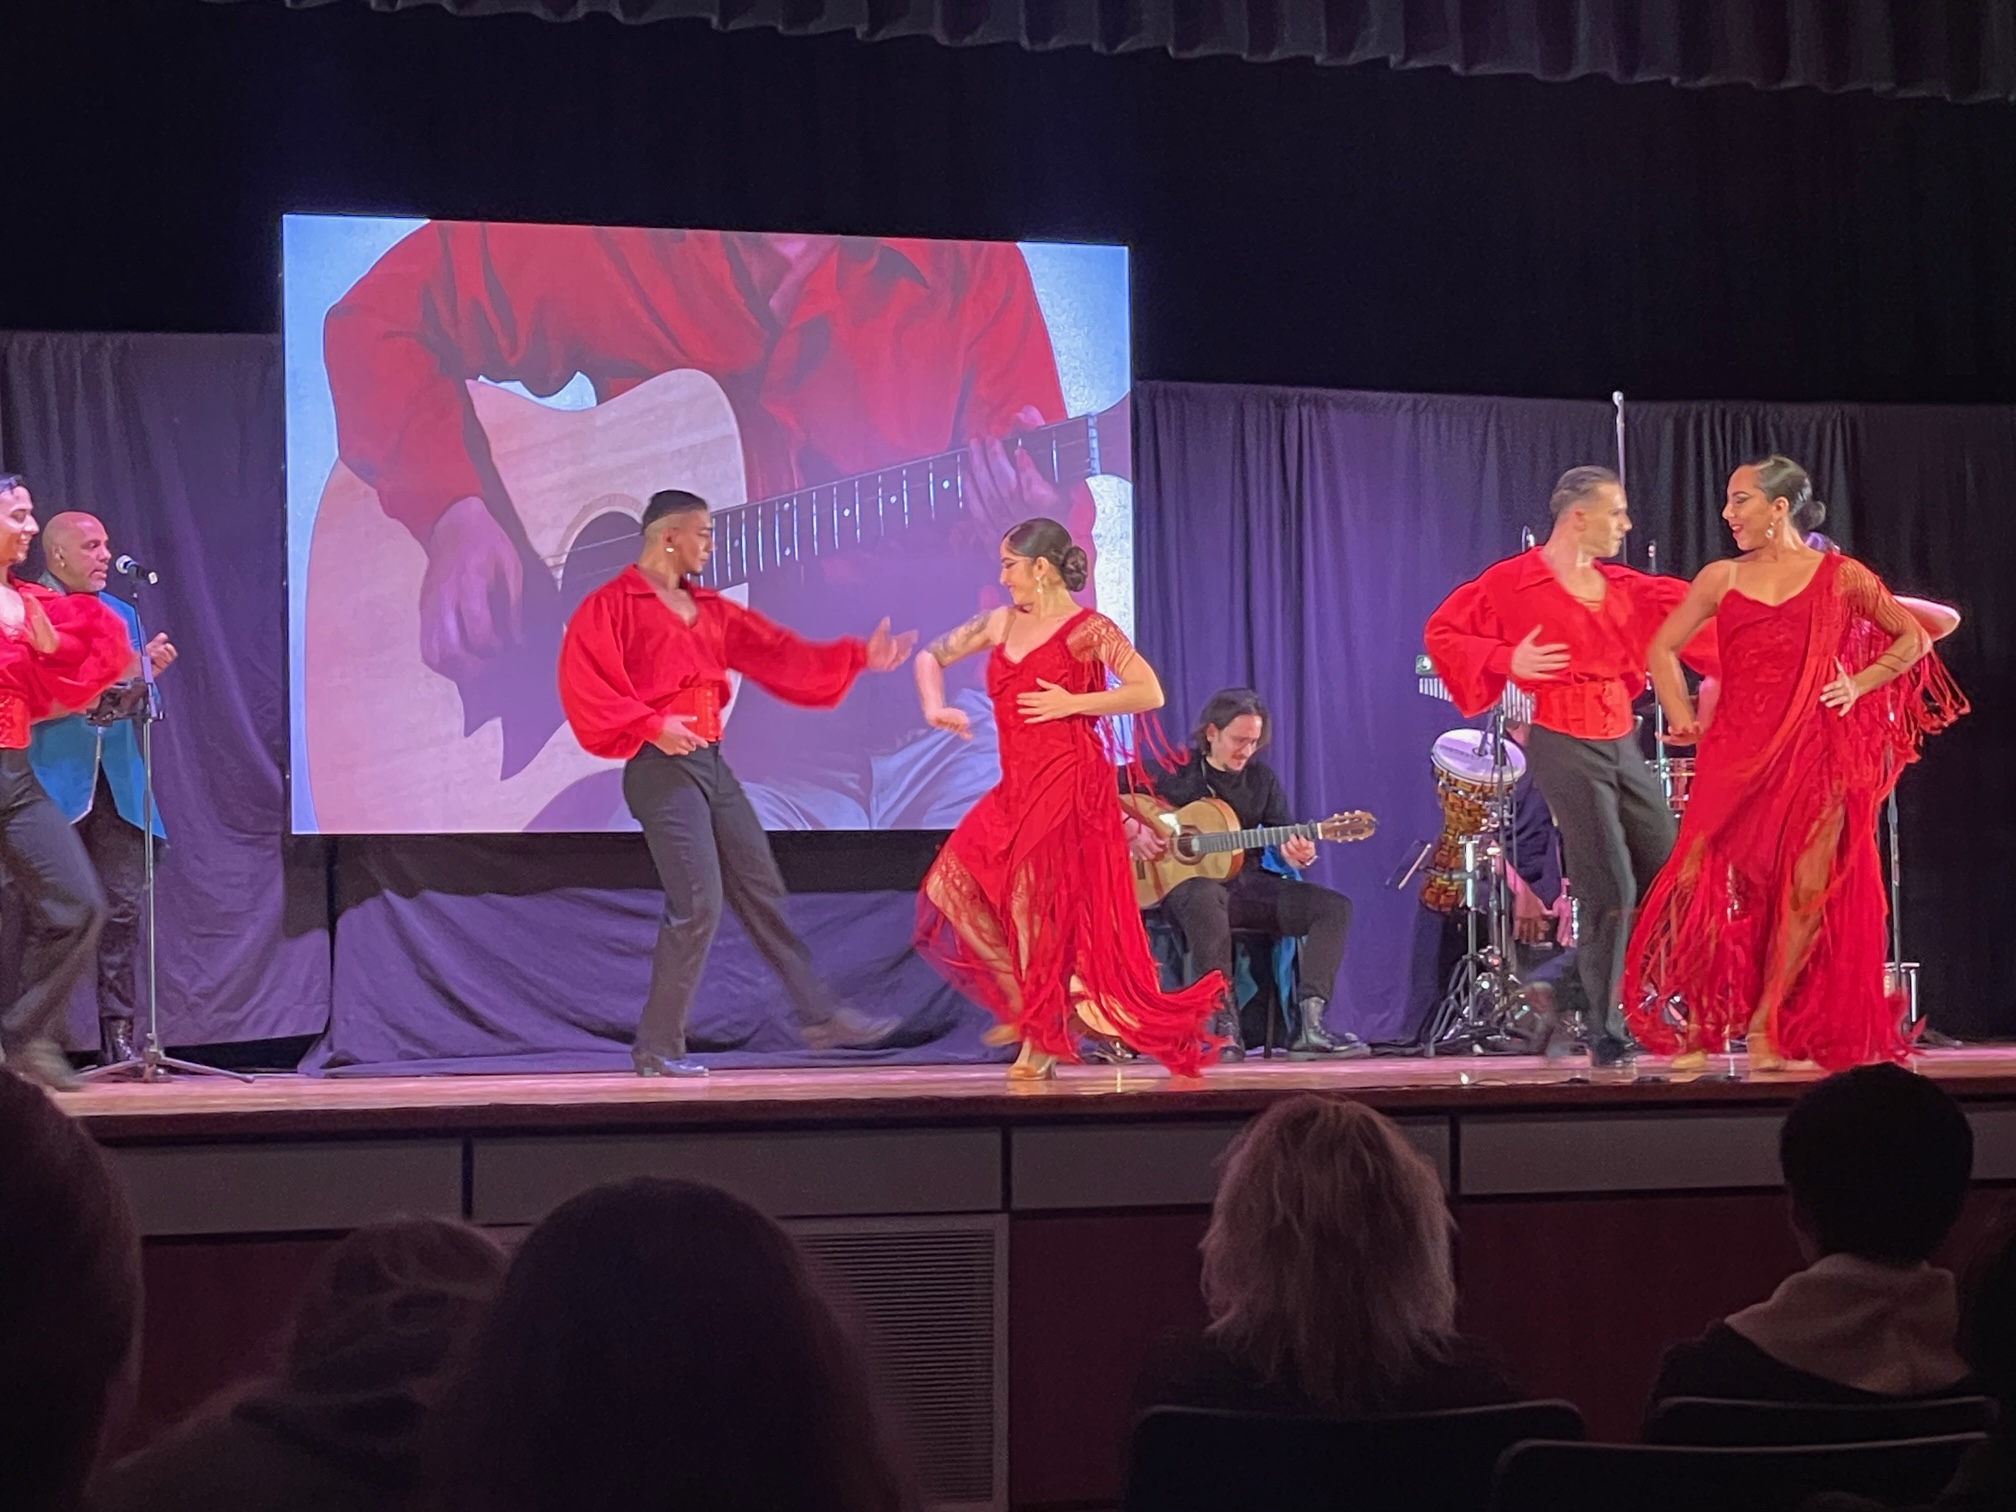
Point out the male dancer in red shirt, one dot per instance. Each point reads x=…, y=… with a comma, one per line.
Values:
x=643, y=679
x=1573, y=628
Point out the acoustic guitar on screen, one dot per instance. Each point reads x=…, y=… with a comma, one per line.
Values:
x=1205, y=840
x=395, y=747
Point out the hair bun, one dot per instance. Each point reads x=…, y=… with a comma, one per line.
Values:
x=1075, y=568
x=1816, y=514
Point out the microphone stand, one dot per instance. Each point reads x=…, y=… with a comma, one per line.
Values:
x=150, y=1063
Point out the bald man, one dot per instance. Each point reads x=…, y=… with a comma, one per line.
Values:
x=93, y=774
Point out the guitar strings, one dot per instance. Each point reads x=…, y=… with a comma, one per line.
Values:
x=737, y=515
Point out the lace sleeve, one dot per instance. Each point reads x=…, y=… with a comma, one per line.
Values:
x=1097, y=638
x=1866, y=597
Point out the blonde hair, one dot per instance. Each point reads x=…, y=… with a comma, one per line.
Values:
x=1327, y=1265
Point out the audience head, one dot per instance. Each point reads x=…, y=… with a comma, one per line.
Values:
x=390, y=1303
x=1231, y=729
x=69, y=1299
x=1327, y=1264
x=662, y=1344
x=1877, y=1162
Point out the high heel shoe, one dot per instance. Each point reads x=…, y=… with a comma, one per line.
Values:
x=1033, y=1065
x=1690, y=1060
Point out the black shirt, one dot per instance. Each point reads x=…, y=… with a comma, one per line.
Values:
x=1725, y=1365
x=1187, y=1369
x=1254, y=792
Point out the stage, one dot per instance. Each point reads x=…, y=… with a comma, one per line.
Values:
x=285, y=1106
x=1012, y=1247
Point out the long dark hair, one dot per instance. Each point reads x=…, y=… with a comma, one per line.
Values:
x=1047, y=539
x=1224, y=706
x=662, y=1344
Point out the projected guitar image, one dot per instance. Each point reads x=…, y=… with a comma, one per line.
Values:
x=395, y=747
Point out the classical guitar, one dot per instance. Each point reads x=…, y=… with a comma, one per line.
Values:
x=1205, y=840
x=395, y=747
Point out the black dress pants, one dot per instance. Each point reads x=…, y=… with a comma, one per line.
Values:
x=50, y=879
x=710, y=849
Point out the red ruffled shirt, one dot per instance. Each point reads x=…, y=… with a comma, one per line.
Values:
x=893, y=349
x=627, y=662
x=92, y=653
x=1471, y=635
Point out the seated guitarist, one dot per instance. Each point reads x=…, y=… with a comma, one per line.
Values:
x=1230, y=732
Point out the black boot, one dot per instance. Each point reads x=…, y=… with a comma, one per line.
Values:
x=115, y=1042
x=1309, y=1040
x=1224, y=1024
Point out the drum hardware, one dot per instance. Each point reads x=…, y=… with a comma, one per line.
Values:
x=1484, y=1007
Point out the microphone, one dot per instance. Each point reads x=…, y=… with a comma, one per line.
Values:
x=126, y=566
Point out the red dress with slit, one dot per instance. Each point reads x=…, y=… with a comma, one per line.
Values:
x=1029, y=909
x=1773, y=899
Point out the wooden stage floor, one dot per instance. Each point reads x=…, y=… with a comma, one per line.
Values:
x=302, y=1106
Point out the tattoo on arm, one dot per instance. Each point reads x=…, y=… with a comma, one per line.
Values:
x=968, y=638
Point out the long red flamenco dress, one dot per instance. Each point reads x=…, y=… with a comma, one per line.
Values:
x=1771, y=910
x=1029, y=909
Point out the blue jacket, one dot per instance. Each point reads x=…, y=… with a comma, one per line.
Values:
x=67, y=753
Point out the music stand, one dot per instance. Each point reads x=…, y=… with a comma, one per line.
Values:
x=149, y=1063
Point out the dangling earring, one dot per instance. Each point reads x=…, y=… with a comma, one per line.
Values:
x=1770, y=532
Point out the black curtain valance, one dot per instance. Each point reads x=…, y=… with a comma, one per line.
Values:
x=1958, y=50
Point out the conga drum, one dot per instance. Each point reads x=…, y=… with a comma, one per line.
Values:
x=1470, y=787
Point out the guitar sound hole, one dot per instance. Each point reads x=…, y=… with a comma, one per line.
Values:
x=606, y=545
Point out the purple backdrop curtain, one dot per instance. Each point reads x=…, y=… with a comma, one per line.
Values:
x=175, y=443
x=1295, y=541
x=533, y=953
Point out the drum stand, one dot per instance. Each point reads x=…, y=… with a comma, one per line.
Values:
x=1484, y=1008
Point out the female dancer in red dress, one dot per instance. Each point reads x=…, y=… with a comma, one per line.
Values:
x=1768, y=921
x=1030, y=907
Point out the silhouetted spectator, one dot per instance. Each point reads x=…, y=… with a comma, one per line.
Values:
x=1876, y=1162
x=661, y=1345
x=339, y=1431
x=69, y=1301
x=1328, y=1278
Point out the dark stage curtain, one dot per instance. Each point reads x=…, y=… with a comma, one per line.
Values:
x=175, y=443
x=1946, y=51
x=1353, y=228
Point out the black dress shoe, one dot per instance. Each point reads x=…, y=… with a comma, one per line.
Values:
x=43, y=1061
x=652, y=1063
x=115, y=1042
x=1611, y=1050
x=850, y=1029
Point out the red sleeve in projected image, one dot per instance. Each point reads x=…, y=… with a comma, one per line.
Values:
x=885, y=351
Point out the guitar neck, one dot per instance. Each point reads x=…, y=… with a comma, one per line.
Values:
x=751, y=539
x=1254, y=839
